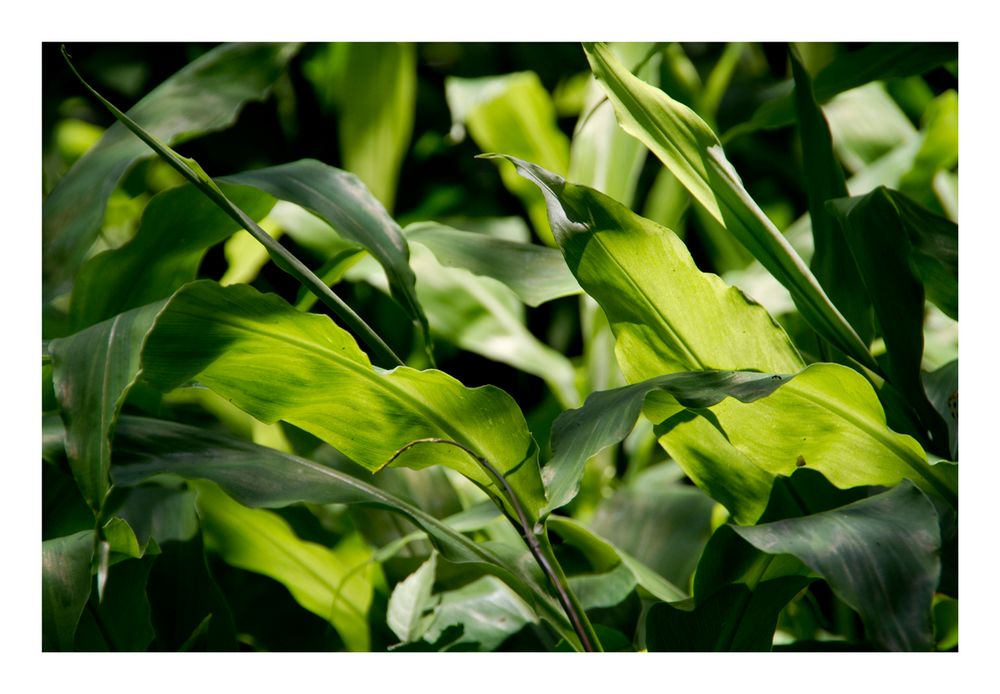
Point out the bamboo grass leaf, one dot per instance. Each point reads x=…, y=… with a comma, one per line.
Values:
x=689, y=148
x=205, y=96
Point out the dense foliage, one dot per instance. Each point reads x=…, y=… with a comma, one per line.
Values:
x=500, y=347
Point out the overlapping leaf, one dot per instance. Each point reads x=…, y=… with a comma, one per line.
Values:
x=206, y=95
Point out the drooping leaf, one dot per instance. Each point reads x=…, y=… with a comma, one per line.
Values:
x=879, y=555
x=607, y=417
x=330, y=582
x=277, y=363
x=205, y=96
x=537, y=274
x=263, y=477
x=93, y=370
x=488, y=106
x=832, y=262
x=341, y=200
x=66, y=581
x=693, y=322
x=732, y=619
x=689, y=148
x=160, y=513
x=878, y=61
x=410, y=601
x=177, y=228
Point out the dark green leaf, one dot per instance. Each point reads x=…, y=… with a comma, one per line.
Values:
x=879, y=555
x=732, y=619
x=206, y=95
x=66, y=582
x=942, y=391
x=832, y=262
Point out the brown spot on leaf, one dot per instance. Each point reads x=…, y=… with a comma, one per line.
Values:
x=800, y=462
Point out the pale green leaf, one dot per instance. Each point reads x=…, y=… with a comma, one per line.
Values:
x=410, y=601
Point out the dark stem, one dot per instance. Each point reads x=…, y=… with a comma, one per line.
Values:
x=561, y=587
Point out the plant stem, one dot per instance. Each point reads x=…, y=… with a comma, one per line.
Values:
x=281, y=256
x=543, y=554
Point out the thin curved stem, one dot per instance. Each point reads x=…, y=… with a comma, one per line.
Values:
x=581, y=625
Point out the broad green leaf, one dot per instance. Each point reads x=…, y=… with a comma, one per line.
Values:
x=662, y=524
x=537, y=274
x=205, y=96
x=602, y=155
x=177, y=228
x=487, y=610
x=513, y=114
x=606, y=556
x=605, y=589
x=374, y=125
x=942, y=391
x=160, y=513
x=866, y=124
x=831, y=262
x=892, y=588
x=277, y=363
x=341, y=200
x=410, y=601
x=827, y=418
x=878, y=61
x=693, y=322
x=732, y=619
x=877, y=235
x=689, y=148
x=93, y=371
x=262, y=477
x=66, y=582
x=607, y=417
x=120, y=620
x=330, y=582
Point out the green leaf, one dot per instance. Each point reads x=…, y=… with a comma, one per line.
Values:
x=489, y=106
x=66, y=582
x=205, y=96
x=897, y=293
x=827, y=418
x=486, y=609
x=333, y=583
x=665, y=525
x=890, y=588
x=121, y=619
x=277, y=363
x=606, y=556
x=942, y=391
x=341, y=200
x=689, y=148
x=263, y=477
x=537, y=274
x=602, y=155
x=878, y=61
x=607, y=417
x=374, y=125
x=605, y=589
x=693, y=323
x=410, y=601
x=158, y=259
x=732, y=619
x=832, y=262
x=93, y=371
